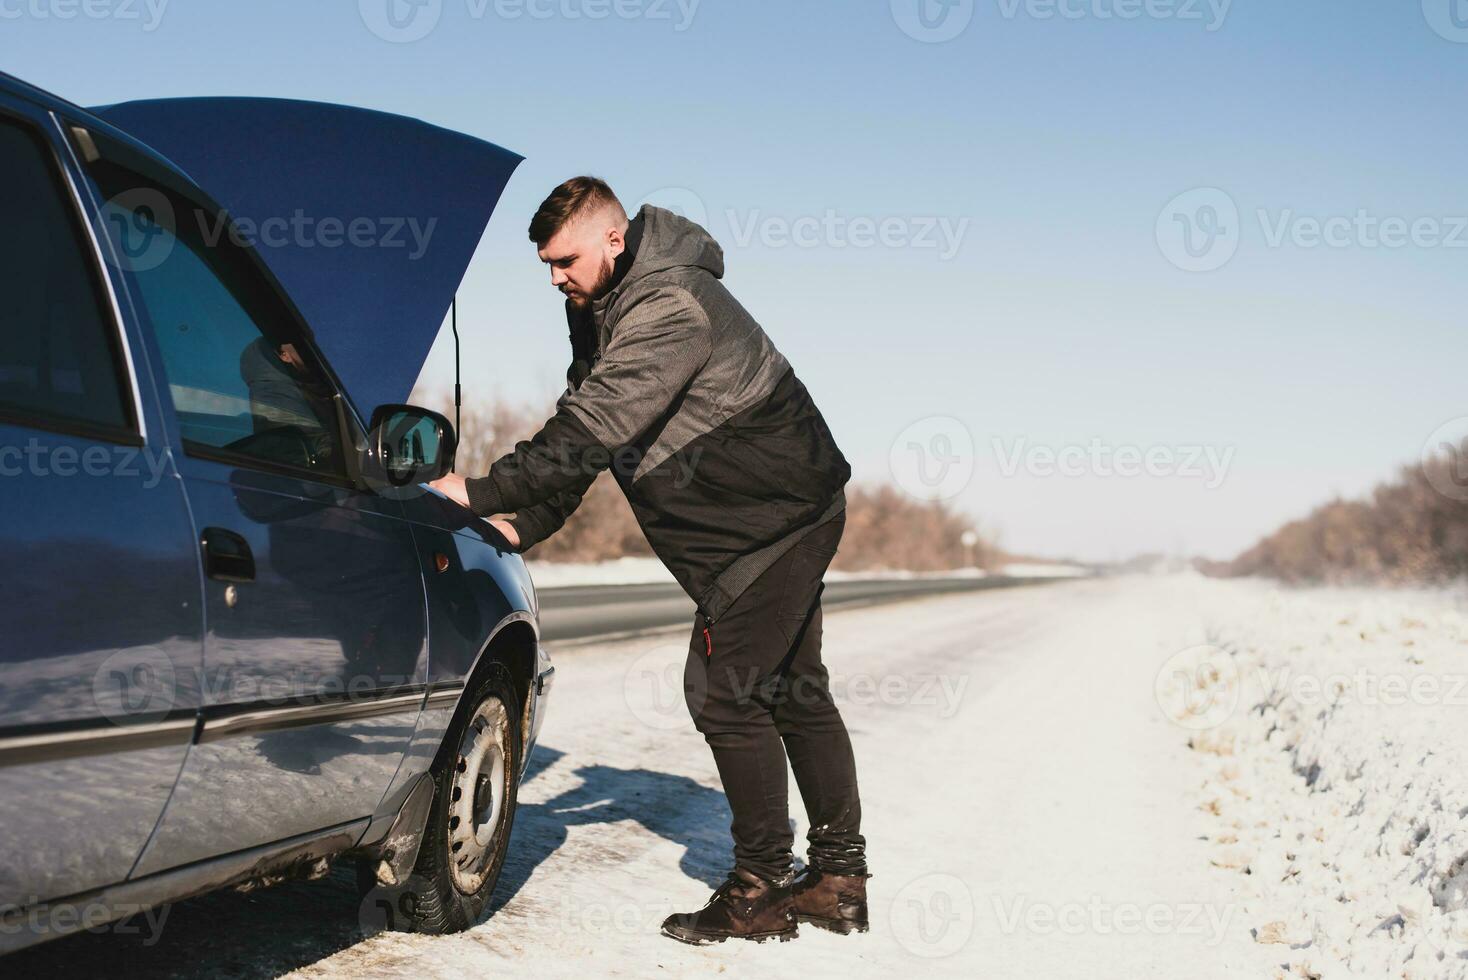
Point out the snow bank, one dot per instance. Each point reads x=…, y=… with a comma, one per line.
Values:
x=1333, y=724
x=620, y=571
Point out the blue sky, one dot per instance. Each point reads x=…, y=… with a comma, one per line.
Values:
x=1054, y=318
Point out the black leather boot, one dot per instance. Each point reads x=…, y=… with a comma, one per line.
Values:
x=837, y=903
x=745, y=906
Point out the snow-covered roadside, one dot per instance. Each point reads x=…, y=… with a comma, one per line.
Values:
x=1023, y=798
x=1333, y=728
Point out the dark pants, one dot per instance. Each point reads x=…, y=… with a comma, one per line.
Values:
x=762, y=695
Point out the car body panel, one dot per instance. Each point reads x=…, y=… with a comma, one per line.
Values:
x=335, y=611
x=87, y=651
x=143, y=748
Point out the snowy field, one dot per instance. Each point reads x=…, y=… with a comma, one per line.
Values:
x=1067, y=780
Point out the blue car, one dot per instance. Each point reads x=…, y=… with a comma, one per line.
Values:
x=241, y=639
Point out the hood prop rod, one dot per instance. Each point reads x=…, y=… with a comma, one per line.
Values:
x=454, y=323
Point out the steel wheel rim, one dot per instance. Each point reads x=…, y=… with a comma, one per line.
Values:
x=477, y=794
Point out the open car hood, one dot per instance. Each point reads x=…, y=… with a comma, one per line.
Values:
x=372, y=218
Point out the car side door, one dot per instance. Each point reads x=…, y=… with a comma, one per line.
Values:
x=99, y=567
x=315, y=654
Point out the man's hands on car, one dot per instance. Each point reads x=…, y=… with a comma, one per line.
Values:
x=452, y=487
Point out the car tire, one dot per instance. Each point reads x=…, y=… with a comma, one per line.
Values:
x=476, y=780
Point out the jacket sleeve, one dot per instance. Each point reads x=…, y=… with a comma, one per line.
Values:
x=536, y=523
x=659, y=344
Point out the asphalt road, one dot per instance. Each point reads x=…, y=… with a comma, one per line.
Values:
x=585, y=612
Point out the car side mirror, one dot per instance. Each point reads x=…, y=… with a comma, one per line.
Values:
x=411, y=445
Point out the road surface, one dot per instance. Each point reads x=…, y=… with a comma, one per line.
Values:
x=581, y=612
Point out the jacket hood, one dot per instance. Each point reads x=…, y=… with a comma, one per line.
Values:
x=669, y=241
x=368, y=220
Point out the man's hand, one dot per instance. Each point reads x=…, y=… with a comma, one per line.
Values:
x=452, y=487
x=508, y=530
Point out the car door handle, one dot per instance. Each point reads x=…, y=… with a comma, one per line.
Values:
x=227, y=556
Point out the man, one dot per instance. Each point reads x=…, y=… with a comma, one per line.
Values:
x=737, y=483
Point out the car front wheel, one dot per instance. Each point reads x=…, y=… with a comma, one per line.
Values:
x=476, y=778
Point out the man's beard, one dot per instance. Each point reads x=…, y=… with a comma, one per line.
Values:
x=598, y=288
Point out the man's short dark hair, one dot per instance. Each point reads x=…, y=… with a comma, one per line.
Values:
x=575, y=197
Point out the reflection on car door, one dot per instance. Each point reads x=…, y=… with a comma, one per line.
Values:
x=99, y=574
x=315, y=649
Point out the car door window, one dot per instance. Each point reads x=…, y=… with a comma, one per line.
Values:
x=244, y=384
x=59, y=363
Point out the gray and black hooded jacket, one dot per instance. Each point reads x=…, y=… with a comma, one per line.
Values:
x=719, y=448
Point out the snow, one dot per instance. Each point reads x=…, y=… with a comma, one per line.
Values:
x=620, y=571
x=1025, y=805
x=1337, y=785
x=1034, y=569
x=1130, y=777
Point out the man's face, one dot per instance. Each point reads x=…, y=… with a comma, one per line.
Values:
x=581, y=256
